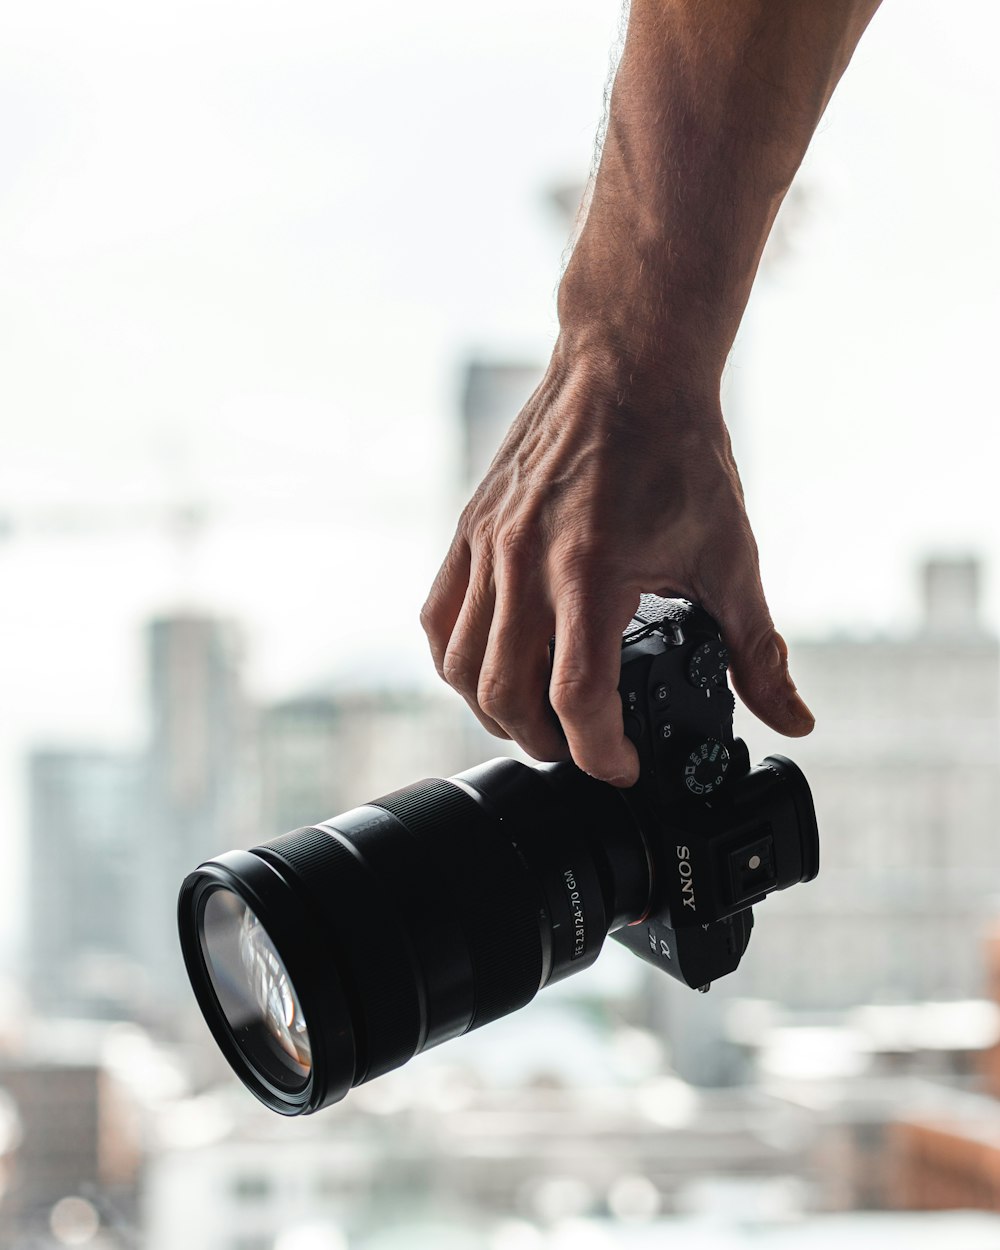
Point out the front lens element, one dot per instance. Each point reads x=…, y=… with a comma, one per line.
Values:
x=254, y=990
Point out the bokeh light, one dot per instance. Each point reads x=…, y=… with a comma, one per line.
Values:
x=74, y=1221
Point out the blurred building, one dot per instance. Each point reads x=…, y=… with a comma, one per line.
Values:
x=200, y=729
x=952, y=1159
x=199, y=791
x=493, y=393
x=113, y=835
x=84, y=815
x=76, y=1140
x=990, y=1062
x=904, y=764
x=860, y=1074
x=326, y=752
x=60, y=1147
x=10, y=1140
x=440, y=1142
x=476, y=1154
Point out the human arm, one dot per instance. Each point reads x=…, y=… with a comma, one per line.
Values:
x=618, y=476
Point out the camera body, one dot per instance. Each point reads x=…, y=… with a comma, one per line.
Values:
x=720, y=835
x=330, y=955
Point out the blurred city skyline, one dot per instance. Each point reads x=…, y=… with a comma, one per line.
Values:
x=259, y=263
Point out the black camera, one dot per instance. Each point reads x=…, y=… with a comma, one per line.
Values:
x=337, y=952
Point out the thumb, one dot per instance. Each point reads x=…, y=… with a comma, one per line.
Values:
x=759, y=667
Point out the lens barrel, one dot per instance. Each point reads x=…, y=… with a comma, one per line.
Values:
x=337, y=952
x=408, y=921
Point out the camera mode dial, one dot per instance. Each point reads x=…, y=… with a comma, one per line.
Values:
x=705, y=768
x=706, y=669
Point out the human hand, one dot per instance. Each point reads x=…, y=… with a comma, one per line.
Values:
x=607, y=485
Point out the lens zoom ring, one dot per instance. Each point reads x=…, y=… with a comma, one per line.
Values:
x=385, y=993
x=496, y=897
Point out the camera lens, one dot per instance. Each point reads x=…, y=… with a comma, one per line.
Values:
x=253, y=988
x=336, y=952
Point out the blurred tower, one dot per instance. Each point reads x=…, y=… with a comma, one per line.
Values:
x=83, y=810
x=493, y=394
x=198, y=716
x=197, y=791
x=112, y=836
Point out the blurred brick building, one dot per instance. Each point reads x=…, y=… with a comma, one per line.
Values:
x=953, y=1161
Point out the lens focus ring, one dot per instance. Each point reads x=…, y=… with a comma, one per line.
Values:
x=496, y=898
x=383, y=986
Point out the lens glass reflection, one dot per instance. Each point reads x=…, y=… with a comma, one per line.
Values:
x=255, y=991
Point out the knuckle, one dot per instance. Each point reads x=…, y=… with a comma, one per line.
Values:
x=757, y=657
x=478, y=528
x=572, y=694
x=741, y=610
x=764, y=639
x=753, y=634
x=572, y=569
x=518, y=543
x=429, y=621
x=585, y=583
x=499, y=699
x=429, y=616
x=470, y=518
x=582, y=547
x=459, y=672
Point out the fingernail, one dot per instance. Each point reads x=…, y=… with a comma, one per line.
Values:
x=774, y=656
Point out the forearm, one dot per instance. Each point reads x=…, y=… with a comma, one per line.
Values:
x=713, y=107
x=606, y=484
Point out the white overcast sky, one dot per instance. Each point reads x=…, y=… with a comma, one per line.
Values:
x=245, y=247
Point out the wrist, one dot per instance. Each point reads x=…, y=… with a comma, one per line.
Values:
x=637, y=318
x=662, y=392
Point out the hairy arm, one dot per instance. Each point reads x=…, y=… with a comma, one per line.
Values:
x=618, y=477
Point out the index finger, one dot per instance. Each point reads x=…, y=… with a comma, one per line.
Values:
x=584, y=687
x=445, y=599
